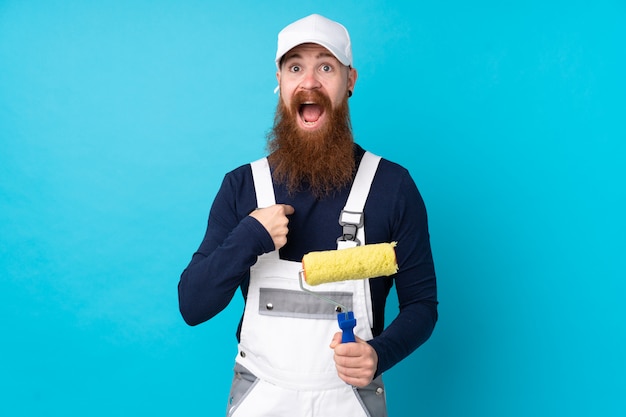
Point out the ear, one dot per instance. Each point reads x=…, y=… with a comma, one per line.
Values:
x=278, y=76
x=352, y=76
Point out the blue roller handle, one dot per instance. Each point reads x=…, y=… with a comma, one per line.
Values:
x=347, y=323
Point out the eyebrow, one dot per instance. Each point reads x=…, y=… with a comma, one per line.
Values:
x=296, y=55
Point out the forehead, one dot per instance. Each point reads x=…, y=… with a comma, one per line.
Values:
x=308, y=50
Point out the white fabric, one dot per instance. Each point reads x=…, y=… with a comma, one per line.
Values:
x=268, y=400
x=263, y=185
x=316, y=29
x=360, y=190
x=265, y=339
x=303, y=382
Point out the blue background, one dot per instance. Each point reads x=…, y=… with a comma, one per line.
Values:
x=119, y=119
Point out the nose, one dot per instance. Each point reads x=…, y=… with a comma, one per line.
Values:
x=310, y=81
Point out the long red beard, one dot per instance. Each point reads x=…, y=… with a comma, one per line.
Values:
x=322, y=161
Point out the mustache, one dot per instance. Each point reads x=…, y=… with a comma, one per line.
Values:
x=302, y=97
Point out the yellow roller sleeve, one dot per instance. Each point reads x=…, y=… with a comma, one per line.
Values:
x=360, y=262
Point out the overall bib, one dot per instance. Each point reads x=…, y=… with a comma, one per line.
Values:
x=284, y=365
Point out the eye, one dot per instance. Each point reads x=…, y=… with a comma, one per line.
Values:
x=326, y=68
x=295, y=68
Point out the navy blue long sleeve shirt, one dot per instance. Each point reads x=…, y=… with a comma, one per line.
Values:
x=394, y=211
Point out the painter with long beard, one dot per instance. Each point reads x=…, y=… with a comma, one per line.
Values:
x=268, y=214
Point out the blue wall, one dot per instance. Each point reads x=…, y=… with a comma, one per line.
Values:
x=118, y=120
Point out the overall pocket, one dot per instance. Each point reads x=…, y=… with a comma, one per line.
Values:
x=243, y=383
x=373, y=398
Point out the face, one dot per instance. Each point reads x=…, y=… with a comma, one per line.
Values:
x=308, y=71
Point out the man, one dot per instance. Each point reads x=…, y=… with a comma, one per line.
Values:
x=305, y=197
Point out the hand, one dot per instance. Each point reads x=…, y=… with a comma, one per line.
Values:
x=356, y=363
x=274, y=219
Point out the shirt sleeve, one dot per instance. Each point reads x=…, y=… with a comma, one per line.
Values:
x=415, y=281
x=231, y=245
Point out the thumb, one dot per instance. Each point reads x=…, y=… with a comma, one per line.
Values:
x=336, y=340
x=288, y=209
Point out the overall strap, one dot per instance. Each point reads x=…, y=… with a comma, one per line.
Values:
x=263, y=183
x=351, y=217
x=264, y=188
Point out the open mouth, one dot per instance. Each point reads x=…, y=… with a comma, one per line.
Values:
x=310, y=113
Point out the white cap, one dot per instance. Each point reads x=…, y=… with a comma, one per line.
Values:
x=316, y=29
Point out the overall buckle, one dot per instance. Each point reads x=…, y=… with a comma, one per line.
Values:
x=350, y=221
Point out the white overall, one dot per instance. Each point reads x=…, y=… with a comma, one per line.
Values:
x=286, y=332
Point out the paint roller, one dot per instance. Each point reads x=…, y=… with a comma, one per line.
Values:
x=359, y=262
